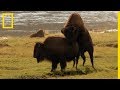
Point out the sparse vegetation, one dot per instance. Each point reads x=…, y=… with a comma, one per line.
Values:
x=17, y=62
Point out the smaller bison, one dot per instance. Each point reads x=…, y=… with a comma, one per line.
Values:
x=40, y=33
x=56, y=50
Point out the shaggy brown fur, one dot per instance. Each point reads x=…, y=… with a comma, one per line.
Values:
x=40, y=33
x=56, y=50
x=75, y=19
x=74, y=30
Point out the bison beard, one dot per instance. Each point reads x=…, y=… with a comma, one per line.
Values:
x=75, y=30
x=56, y=50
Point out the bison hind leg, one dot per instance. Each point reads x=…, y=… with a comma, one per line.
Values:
x=91, y=58
x=75, y=61
x=84, y=58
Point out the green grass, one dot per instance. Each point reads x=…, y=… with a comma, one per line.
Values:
x=16, y=61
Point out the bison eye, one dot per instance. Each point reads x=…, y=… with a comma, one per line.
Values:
x=38, y=45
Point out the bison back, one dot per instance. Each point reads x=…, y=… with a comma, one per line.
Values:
x=60, y=47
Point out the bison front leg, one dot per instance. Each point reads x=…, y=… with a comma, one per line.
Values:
x=77, y=58
x=63, y=65
x=54, y=66
x=73, y=62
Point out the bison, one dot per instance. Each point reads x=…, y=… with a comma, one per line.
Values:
x=40, y=33
x=56, y=50
x=74, y=30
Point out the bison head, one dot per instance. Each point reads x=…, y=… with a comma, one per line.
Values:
x=71, y=33
x=39, y=52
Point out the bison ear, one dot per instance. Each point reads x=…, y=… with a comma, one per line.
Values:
x=62, y=31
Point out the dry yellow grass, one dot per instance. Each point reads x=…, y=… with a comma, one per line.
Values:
x=16, y=60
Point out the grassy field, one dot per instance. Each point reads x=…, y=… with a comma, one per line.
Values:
x=16, y=61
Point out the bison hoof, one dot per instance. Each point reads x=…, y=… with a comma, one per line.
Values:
x=76, y=69
x=62, y=70
x=53, y=70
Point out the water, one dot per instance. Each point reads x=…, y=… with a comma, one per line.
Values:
x=25, y=17
x=28, y=21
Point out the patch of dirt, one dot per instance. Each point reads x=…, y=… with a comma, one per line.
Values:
x=112, y=45
x=98, y=57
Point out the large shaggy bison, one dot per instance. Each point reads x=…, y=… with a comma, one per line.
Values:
x=56, y=50
x=74, y=30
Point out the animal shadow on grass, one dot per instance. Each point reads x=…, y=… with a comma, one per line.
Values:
x=32, y=77
x=84, y=71
x=71, y=72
